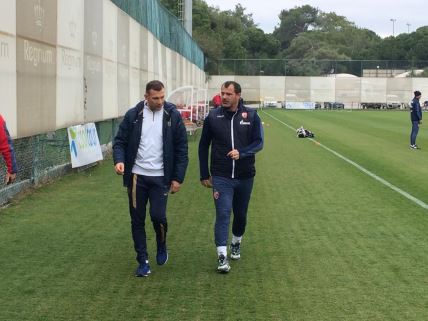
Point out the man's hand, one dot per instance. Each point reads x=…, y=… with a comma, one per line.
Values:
x=234, y=154
x=119, y=168
x=175, y=187
x=208, y=183
x=10, y=178
x=420, y=122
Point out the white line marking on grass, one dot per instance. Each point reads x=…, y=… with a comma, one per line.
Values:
x=361, y=168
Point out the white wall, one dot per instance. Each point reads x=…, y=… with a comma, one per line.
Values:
x=350, y=91
x=69, y=62
x=8, y=64
x=69, y=82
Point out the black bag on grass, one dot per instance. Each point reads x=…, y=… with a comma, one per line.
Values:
x=303, y=133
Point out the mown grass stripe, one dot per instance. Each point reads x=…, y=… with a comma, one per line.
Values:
x=361, y=168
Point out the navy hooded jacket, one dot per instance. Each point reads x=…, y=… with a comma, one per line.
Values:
x=225, y=131
x=416, y=111
x=127, y=141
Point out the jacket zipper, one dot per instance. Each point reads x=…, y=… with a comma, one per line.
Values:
x=233, y=143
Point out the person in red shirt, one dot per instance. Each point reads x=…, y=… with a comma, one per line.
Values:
x=8, y=153
x=216, y=101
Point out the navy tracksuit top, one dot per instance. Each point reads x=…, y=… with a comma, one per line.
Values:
x=415, y=110
x=127, y=141
x=224, y=131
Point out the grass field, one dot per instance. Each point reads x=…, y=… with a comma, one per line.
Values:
x=324, y=241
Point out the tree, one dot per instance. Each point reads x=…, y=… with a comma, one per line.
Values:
x=419, y=45
x=331, y=22
x=229, y=34
x=321, y=39
x=246, y=19
x=261, y=45
x=293, y=22
x=171, y=5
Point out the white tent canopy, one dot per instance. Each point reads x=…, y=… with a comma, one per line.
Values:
x=191, y=102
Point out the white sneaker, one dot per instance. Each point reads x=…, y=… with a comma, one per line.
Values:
x=223, y=264
x=235, y=251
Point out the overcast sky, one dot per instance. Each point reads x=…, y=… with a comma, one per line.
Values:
x=375, y=15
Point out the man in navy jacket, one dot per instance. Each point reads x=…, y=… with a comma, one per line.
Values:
x=150, y=151
x=235, y=134
x=416, y=117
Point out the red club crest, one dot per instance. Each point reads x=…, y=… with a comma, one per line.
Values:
x=244, y=115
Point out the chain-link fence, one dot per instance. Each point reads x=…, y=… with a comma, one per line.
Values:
x=302, y=67
x=43, y=157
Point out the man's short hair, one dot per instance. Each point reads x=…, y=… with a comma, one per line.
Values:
x=155, y=85
x=417, y=93
x=236, y=86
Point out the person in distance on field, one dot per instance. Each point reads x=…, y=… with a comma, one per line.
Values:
x=416, y=118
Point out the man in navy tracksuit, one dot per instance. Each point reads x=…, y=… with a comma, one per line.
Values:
x=416, y=117
x=235, y=134
x=150, y=151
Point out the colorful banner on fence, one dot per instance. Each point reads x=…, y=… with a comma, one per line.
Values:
x=84, y=145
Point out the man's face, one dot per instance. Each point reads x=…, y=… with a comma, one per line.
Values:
x=155, y=99
x=228, y=97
